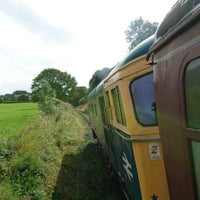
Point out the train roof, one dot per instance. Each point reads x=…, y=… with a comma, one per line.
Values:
x=137, y=51
x=180, y=15
x=140, y=50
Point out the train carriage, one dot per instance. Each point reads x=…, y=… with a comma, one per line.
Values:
x=176, y=59
x=126, y=113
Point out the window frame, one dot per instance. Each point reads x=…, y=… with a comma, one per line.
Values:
x=134, y=105
x=118, y=106
x=186, y=98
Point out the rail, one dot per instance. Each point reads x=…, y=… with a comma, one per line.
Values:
x=138, y=139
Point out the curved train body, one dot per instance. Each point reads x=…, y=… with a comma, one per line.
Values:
x=123, y=117
x=176, y=58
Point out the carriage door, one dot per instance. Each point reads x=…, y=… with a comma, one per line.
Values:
x=192, y=118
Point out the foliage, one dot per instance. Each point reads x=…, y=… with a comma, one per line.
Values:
x=53, y=159
x=138, y=31
x=59, y=84
x=79, y=96
x=30, y=161
x=45, y=98
x=21, y=96
x=97, y=77
x=1, y=99
x=17, y=96
x=8, y=98
x=15, y=117
x=17, y=92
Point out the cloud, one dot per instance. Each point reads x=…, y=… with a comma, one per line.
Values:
x=21, y=13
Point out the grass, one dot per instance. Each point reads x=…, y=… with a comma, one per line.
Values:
x=54, y=159
x=14, y=117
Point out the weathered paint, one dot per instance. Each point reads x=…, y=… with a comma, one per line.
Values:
x=125, y=163
x=173, y=51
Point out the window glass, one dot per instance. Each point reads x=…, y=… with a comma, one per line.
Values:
x=195, y=147
x=119, y=111
x=192, y=93
x=108, y=107
x=102, y=106
x=142, y=92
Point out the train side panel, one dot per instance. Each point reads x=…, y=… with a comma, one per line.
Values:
x=145, y=160
x=128, y=130
x=97, y=116
x=177, y=70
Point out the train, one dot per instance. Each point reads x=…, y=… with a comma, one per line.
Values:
x=175, y=55
x=145, y=113
x=123, y=117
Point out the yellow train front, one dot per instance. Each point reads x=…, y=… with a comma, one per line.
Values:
x=123, y=117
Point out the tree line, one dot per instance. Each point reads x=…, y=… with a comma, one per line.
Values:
x=17, y=96
x=54, y=84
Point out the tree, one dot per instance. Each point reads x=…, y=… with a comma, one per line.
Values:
x=80, y=96
x=139, y=30
x=8, y=97
x=58, y=84
x=1, y=99
x=97, y=77
x=45, y=97
x=21, y=95
x=20, y=92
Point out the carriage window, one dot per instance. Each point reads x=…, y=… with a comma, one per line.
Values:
x=195, y=150
x=108, y=106
x=142, y=92
x=102, y=106
x=192, y=94
x=119, y=110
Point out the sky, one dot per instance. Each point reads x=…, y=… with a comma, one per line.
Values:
x=73, y=36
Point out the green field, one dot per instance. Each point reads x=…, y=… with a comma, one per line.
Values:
x=14, y=117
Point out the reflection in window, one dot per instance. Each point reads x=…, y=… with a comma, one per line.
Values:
x=142, y=92
x=192, y=94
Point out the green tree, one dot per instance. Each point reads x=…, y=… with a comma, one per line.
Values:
x=45, y=97
x=80, y=96
x=23, y=98
x=60, y=84
x=1, y=99
x=21, y=95
x=97, y=77
x=139, y=30
x=8, y=97
x=19, y=92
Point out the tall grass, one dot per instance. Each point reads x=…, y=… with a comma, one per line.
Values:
x=54, y=159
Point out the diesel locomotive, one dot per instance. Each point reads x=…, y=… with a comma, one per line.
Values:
x=122, y=112
x=157, y=83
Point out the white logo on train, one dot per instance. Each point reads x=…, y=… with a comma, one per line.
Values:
x=127, y=167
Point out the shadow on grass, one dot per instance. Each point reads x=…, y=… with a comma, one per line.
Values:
x=86, y=176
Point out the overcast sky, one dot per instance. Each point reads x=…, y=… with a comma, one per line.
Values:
x=76, y=36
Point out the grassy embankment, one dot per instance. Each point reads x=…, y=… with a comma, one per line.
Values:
x=53, y=158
